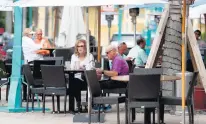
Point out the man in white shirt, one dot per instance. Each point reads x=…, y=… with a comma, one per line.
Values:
x=30, y=49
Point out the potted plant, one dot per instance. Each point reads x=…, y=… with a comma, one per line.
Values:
x=2, y=24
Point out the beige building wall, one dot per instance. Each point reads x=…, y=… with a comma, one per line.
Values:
x=127, y=26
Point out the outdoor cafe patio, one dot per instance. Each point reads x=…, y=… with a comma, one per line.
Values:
x=53, y=77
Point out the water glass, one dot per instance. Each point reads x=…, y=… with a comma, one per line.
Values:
x=77, y=65
x=67, y=64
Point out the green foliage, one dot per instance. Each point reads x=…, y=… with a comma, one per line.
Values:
x=2, y=19
x=203, y=36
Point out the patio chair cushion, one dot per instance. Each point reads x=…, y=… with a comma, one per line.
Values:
x=169, y=100
x=56, y=91
x=109, y=100
x=39, y=90
x=116, y=90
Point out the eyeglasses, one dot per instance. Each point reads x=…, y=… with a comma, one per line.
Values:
x=39, y=34
x=81, y=46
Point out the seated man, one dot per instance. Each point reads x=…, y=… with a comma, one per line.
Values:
x=139, y=53
x=119, y=67
x=122, y=48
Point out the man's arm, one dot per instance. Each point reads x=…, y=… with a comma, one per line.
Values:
x=111, y=73
x=143, y=56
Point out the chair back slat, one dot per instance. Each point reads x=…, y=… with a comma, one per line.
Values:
x=148, y=71
x=37, y=68
x=131, y=66
x=191, y=85
x=144, y=86
x=53, y=76
x=97, y=65
x=58, y=60
x=106, y=64
x=28, y=75
x=66, y=53
x=93, y=83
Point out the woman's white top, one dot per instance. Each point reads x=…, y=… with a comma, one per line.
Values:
x=87, y=63
x=29, y=49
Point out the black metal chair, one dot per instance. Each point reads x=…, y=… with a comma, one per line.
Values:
x=33, y=87
x=97, y=65
x=97, y=97
x=54, y=85
x=143, y=92
x=58, y=60
x=94, y=51
x=166, y=100
x=106, y=64
x=37, y=68
x=66, y=53
x=147, y=71
x=131, y=66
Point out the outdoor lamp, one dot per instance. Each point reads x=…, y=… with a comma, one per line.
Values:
x=134, y=12
x=109, y=19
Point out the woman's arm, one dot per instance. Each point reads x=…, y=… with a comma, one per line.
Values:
x=47, y=44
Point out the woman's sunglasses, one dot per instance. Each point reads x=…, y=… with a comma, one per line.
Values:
x=80, y=46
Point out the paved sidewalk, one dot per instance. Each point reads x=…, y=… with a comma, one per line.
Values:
x=48, y=118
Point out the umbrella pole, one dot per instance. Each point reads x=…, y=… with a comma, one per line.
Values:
x=99, y=34
x=88, y=52
x=183, y=59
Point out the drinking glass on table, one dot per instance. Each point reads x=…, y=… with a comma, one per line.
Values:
x=77, y=65
x=67, y=65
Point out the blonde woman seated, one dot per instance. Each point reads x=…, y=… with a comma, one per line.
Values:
x=84, y=62
x=41, y=41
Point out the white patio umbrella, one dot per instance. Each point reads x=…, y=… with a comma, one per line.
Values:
x=5, y=5
x=72, y=24
x=195, y=12
x=38, y=3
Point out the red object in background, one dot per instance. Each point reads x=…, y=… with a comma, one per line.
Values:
x=199, y=99
x=1, y=30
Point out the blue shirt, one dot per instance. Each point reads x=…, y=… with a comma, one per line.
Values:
x=139, y=54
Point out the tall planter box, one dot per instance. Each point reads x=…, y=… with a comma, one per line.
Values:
x=199, y=98
x=1, y=31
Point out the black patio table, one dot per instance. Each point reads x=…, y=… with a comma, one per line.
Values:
x=71, y=78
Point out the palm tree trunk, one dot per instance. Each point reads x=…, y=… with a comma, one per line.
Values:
x=171, y=57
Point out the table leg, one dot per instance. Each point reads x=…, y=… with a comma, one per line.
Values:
x=71, y=102
x=147, y=116
x=71, y=95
